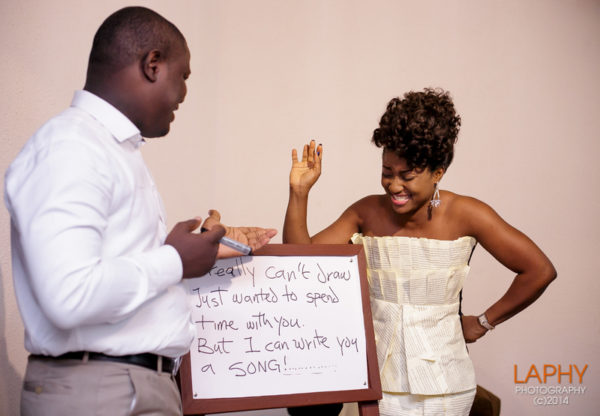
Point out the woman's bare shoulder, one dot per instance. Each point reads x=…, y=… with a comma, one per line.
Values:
x=460, y=202
x=368, y=204
x=469, y=213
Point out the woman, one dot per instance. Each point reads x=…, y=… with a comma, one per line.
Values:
x=418, y=241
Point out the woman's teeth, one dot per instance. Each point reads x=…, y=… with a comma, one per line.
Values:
x=400, y=199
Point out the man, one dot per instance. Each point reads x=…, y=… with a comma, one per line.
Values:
x=96, y=276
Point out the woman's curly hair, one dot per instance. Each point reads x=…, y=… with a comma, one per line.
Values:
x=421, y=128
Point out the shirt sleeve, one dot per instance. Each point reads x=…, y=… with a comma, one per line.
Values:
x=60, y=202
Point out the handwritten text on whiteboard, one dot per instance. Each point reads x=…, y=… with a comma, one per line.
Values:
x=270, y=325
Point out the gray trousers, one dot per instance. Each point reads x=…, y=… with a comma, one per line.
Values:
x=73, y=387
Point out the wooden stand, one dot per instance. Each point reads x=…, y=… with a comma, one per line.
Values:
x=366, y=398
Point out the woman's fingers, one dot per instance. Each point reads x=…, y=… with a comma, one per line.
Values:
x=214, y=214
x=311, y=153
x=319, y=155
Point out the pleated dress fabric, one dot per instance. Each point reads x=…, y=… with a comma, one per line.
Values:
x=415, y=286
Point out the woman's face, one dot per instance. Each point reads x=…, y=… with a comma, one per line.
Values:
x=408, y=189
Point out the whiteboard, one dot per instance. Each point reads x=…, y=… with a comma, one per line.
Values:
x=272, y=325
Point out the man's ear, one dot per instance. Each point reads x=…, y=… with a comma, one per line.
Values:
x=151, y=65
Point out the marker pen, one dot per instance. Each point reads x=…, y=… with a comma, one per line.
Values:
x=236, y=245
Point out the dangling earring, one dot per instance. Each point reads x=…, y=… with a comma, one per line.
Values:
x=435, y=199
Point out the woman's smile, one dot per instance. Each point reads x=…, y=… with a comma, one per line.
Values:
x=400, y=199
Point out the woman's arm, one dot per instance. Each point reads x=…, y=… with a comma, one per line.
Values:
x=514, y=250
x=303, y=176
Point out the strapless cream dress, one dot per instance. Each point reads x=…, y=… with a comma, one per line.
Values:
x=415, y=286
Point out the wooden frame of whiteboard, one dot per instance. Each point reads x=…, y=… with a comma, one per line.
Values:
x=366, y=398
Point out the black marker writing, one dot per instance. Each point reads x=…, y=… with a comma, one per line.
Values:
x=251, y=348
x=260, y=321
x=277, y=346
x=220, y=347
x=347, y=343
x=238, y=269
x=211, y=300
x=313, y=343
x=242, y=369
x=222, y=325
x=325, y=277
x=286, y=323
x=316, y=297
x=290, y=296
x=261, y=296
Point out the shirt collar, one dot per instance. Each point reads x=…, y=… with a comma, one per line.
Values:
x=116, y=122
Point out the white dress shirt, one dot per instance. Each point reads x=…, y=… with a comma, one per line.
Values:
x=90, y=268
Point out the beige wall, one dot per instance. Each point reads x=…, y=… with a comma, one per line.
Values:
x=269, y=75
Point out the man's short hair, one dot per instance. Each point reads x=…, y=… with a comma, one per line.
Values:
x=127, y=35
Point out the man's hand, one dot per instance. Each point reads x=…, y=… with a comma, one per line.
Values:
x=198, y=252
x=255, y=237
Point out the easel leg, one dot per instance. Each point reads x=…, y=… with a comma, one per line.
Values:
x=370, y=408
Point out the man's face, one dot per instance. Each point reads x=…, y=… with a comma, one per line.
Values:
x=167, y=93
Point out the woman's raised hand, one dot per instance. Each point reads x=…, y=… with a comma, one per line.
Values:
x=305, y=172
